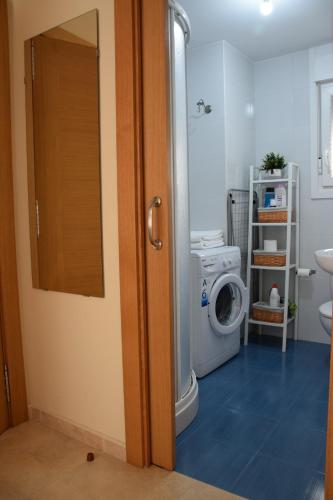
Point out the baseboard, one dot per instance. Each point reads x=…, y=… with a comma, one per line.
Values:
x=80, y=433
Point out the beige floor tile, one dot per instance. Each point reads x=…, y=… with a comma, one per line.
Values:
x=182, y=487
x=38, y=463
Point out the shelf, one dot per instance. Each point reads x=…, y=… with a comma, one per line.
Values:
x=290, y=233
x=272, y=181
x=274, y=268
x=266, y=323
x=273, y=224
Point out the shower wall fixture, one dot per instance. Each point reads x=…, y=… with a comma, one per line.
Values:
x=206, y=108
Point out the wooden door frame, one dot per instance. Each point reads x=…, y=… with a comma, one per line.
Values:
x=129, y=26
x=130, y=184
x=11, y=327
x=329, y=437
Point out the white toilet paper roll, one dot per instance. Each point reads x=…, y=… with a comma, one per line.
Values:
x=270, y=245
x=304, y=273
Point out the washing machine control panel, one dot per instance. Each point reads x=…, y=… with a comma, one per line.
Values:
x=218, y=263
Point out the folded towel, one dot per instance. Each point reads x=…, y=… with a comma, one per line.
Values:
x=197, y=236
x=198, y=246
x=207, y=244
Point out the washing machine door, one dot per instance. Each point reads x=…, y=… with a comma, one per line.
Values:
x=228, y=302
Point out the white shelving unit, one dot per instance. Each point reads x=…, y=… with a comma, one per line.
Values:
x=258, y=183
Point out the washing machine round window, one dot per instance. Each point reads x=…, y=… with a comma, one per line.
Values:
x=227, y=304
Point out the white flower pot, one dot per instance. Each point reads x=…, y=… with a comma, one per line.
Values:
x=273, y=173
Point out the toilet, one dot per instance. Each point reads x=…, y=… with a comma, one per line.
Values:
x=325, y=315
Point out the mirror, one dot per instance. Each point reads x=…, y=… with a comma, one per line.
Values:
x=63, y=144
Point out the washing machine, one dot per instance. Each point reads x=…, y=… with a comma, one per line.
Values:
x=219, y=301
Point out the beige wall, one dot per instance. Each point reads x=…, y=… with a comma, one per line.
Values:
x=84, y=27
x=72, y=344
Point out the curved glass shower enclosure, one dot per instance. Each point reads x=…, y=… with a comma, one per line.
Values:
x=186, y=386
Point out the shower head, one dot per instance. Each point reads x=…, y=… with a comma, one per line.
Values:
x=207, y=108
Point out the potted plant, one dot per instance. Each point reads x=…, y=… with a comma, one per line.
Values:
x=273, y=164
x=292, y=309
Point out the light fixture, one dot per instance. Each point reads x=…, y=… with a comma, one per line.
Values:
x=266, y=7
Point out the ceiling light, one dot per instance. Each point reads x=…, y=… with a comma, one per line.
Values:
x=266, y=7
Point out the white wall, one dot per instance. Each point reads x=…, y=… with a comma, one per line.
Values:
x=221, y=144
x=206, y=138
x=72, y=344
x=238, y=116
x=282, y=108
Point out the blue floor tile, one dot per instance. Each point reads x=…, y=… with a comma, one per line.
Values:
x=212, y=398
x=234, y=371
x=297, y=445
x=316, y=388
x=270, y=479
x=260, y=428
x=309, y=413
x=242, y=430
x=210, y=460
x=266, y=396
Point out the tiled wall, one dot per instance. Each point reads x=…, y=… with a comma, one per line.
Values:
x=221, y=144
x=282, y=108
x=206, y=137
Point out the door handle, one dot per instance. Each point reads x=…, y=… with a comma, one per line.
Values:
x=156, y=243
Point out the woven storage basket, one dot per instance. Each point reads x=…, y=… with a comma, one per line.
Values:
x=267, y=315
x=270, y=260
x=273, y=215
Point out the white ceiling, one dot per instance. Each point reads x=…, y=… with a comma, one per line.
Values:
x=293, y=25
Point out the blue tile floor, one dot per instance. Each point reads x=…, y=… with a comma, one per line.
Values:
x=261, y=427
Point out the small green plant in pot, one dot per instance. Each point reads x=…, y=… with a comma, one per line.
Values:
x=273, y=164
x=292, y=309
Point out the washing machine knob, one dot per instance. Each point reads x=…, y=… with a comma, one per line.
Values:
x=230, y=262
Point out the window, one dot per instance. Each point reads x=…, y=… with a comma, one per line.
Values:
x=325, y=132
x=321, y=120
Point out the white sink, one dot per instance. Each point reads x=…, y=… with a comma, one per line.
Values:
x=324, y=259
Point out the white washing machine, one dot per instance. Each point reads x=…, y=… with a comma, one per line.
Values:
x=219, y=300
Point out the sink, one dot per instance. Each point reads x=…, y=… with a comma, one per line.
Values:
x=324, y=259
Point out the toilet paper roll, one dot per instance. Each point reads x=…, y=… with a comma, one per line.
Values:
x=305, y=273
x=270, y=245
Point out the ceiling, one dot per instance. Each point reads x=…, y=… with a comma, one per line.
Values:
x=293, y=25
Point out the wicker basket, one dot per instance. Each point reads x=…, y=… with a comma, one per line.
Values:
x=260, y=313
x=269, y=259
x=273, y=215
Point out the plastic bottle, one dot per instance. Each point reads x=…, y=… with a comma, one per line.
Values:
x=269, y=195
x=274, y=298
x=281, y=196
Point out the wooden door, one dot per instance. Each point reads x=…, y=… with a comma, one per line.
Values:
x=143, y=171
x=66, y=161
x=9, y=300
x=4, y=410
x=329, y=438
x=159, y=270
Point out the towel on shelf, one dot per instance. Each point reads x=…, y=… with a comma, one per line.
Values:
x=201, y=240
x=202, y=245
x=197, y=236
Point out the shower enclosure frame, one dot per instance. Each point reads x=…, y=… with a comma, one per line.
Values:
x=130, y=23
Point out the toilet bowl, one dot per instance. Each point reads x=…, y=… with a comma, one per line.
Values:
x=325, y=316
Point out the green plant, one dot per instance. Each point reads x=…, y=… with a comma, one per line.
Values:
x=292, y=308
x=272, y=162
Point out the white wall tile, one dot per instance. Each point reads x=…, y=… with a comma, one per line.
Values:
x=283, y=125
x=206, y=138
